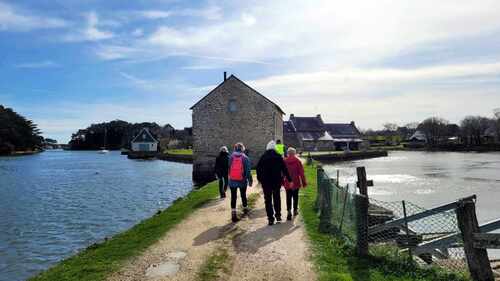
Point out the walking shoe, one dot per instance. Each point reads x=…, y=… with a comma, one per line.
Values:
x=289, y=216
x=234, y=217
x=295, y=213
x=270, y=222
x=278, y=219
x=223, y=196
x=246, y=210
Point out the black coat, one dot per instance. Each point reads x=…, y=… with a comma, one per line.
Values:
x=271, y=169
x=222, y=164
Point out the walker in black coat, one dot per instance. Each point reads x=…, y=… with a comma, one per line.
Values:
x=271, y=169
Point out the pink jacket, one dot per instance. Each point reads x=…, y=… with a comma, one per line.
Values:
x=296, y=171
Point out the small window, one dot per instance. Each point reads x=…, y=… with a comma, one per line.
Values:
x=143, y=136
x=232, y=106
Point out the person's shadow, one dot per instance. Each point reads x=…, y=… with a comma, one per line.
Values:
x=253, y=241
x=214, y=233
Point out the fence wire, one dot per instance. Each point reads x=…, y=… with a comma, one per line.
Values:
x=405, y=241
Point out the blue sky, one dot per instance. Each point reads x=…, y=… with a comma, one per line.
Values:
x=67, y=64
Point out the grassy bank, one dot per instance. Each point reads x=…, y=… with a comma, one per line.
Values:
x=179, y=151
x=99, y=260
x=335, y=260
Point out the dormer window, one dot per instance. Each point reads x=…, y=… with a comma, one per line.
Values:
x=232, y=106
x=143, y=136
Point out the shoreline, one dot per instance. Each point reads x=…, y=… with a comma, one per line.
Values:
x=102, y=258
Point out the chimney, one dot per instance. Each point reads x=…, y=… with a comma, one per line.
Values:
x=318, y=116
x=225, y=76
x=292, y=116
x=352, y=124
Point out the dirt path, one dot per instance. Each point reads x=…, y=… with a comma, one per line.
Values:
x=254, y=251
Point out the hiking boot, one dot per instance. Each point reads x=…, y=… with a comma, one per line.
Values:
x=289, y=216
x=234, y=217
x=270, y=222
x=223, y=195
x=246, y=210
x=295, y=213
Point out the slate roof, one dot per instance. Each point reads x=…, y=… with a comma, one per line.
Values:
x=308, y=124
x=232, y=77
x=338, y=130
x=144, y=136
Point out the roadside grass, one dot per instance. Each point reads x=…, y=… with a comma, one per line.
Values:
x=335, y=260
x=217, y=263
x=179, y=151
x=101, y=259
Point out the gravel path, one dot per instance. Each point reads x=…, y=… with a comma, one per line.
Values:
x=256, y=251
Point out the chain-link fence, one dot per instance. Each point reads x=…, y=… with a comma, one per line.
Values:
x=400, y=230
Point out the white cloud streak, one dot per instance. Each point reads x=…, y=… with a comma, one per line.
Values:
x=90, y=31
x=16, y=20
x=38, y=64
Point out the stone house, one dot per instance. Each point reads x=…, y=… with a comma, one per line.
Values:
x=313, y=134
x=232, y=112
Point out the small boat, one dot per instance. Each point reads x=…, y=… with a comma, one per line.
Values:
x=103, y=151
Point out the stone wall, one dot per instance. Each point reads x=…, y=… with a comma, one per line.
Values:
x=254, y=121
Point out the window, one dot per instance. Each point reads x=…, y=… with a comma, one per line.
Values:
x=232, y=106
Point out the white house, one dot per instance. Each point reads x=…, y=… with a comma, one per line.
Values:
x=144, y=141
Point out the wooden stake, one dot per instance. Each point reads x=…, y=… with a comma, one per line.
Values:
x=477, y=259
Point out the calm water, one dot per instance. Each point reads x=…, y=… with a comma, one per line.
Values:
x=431, y=178
x=57, y=202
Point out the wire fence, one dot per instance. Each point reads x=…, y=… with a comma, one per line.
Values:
x=397, y=230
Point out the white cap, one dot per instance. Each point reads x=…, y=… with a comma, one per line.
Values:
x=271, y=145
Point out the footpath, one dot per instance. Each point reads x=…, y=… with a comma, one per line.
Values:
x=208, y=246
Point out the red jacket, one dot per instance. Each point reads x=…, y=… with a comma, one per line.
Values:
x=296, y=171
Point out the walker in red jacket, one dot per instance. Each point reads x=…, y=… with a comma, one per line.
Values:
x=296, y=170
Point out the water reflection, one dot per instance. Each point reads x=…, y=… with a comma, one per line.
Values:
x=57, y=202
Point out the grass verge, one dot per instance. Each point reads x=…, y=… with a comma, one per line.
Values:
x=100, y=259
x=179, y=151
x=217, y=263
x=334, y=260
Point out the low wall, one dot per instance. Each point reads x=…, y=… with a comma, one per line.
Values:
x=141, y=154
x=337, y=157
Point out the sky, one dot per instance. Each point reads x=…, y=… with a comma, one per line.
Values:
x=67, y=64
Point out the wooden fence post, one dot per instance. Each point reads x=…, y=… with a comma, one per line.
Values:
x=477, y=259
x=362, y=213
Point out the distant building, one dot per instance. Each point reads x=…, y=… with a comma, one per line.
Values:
x=144, y=142
x=232, y=112
x=418, y=137
x=312, y=134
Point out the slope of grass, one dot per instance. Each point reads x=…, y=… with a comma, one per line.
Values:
x=99, y=260
x=335, y=260
x=179, y=151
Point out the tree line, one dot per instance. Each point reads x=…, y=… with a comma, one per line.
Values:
x=118, y=134
x=17, y=133
x=471, y=131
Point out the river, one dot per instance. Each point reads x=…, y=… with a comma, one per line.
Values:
x=55, y=203
x=431, y=178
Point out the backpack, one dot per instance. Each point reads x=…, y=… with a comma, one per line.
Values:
x=236, y=169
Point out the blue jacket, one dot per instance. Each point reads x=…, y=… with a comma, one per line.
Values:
x=247, y=167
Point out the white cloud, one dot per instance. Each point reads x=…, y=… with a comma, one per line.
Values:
x=90, y=31
x=155, y=14
x=13, y=19
x=38, y=64
x=330, y=32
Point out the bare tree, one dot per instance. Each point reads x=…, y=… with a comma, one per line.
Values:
x=434, y=129
x=474, y=128
x=391, y=127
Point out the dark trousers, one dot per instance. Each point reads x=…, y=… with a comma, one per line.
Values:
x=234, y=196
x=223, y=181
x=292, y=195
x=272, y=199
